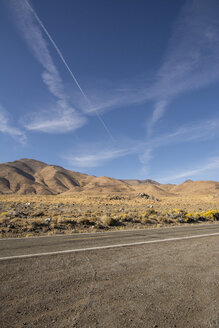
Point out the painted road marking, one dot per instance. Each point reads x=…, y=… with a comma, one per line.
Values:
x=107, y=246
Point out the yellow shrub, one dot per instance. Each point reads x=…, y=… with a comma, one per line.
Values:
x=210, y=214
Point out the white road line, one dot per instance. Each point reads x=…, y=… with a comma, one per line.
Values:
x=106, y=247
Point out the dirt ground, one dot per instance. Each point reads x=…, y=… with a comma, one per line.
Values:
x=38, y=215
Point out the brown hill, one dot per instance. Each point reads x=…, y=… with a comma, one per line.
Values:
x=28, y=176
x=152, y=189
x=190, y=187
x=104, y=185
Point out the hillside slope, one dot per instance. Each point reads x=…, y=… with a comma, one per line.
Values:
x=29, y=176
x=195, y=187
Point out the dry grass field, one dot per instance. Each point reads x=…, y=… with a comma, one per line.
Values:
x=27, y=215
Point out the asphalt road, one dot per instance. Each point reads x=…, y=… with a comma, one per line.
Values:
x=143, y=278
x=17, y=247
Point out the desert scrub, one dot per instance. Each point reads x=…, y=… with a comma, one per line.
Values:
x=212, y=215
x=17, y=221
x=64, y=220
x=165, y=219
x=86, y=220
x=182, y=213
x=4, y=220
x=145, y=220
x=4, y=214
x=193, y=217
x=69, y=220
x=177, y=214
x=149, y=212
x=38, y=223
x=151, y=219
x=96, y=214
x=126, y=218
x=190, y=219
x=107, y=220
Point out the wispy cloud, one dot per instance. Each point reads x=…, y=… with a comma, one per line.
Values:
x=35, y=40
x=90, y=159
x=56, y=121
x=158, y=112
x=190, y=63
x=65, y=117
x=7, y=128
x=32, y=27
x=192, y=58
x=201, y=130
x=210, y=165
x=93, y=155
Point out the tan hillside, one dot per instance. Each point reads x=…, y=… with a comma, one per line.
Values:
x=196, y=187
x=152, y=189
x=28, y=176
x=111, y=185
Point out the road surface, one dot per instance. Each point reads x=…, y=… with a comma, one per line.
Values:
x=165, y=277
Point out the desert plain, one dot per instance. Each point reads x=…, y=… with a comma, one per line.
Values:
x=39, y=199
x=32, y=215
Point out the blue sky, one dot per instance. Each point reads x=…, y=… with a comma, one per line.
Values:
x=127, y=89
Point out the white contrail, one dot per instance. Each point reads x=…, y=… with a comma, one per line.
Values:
x=67, y=67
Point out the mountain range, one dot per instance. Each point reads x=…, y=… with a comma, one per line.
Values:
x=29, y=176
